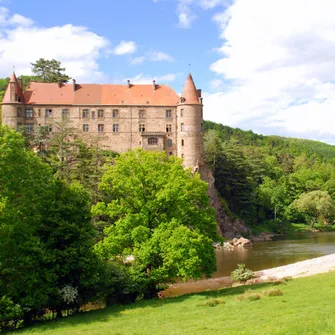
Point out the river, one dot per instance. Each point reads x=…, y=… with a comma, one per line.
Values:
x=282, y=250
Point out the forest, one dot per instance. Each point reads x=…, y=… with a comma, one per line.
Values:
x=271, y=181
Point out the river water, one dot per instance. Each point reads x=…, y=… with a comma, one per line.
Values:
x=282, y=250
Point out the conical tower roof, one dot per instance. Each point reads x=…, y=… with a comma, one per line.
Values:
x=190, y=94
x=18, y=91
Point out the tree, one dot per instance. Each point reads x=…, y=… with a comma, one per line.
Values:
x=49, y=71
x=159, y=213
x=45, y=232
x=316, y=204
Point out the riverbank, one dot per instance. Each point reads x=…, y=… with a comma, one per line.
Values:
x=305, y=268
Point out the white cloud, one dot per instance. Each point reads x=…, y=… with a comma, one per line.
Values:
x=280, y=57
x=137, y=60
x=185, y=15
x=146, y=79
x=216, y=84
x=185, y=10
x=20, y=20
x=23, y=42
x=152, y=56
x=157, y=56
x=124, y=48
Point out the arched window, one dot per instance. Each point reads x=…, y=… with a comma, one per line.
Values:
x=152, y=141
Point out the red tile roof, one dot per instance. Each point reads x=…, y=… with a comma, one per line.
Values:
x=107, y=94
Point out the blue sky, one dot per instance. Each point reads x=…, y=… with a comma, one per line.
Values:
x=264, y=65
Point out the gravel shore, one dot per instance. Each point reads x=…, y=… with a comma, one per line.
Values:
x=301, y=269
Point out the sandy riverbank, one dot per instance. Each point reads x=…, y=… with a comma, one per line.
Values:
x=300, y=269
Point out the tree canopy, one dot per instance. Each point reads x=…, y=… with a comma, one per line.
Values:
x=159, y=213
x=49, y=71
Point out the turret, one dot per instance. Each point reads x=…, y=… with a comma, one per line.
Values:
x=189, y=119
x=12, y=103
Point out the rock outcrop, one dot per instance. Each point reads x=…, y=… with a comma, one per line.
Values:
x=227, y=227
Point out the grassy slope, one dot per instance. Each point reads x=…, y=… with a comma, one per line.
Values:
x=306, y=307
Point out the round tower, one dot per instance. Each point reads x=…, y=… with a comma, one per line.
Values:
x=189, y=126
x=12, y=104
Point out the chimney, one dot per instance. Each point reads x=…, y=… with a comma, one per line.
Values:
x=128, y=81
x=154, y=83
x=73, y=85
x=199, y=93
x=20, y=83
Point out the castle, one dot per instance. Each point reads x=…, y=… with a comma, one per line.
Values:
x=125, y=117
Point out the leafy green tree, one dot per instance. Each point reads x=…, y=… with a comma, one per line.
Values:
x=316, y=204
x=159, y=213
x=45, y=232
x=49, y=71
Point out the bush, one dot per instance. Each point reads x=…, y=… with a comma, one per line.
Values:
x=10, y=313
x=242, y=274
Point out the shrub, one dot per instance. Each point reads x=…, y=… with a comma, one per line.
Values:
x=242, y=274
x=10, y=313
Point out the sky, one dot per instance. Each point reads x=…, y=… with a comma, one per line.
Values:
x=262, y=65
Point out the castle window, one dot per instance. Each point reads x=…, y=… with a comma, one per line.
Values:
x=169, y=128
x=116, y=128
x=30, y=128
x=100, y=128
x=182, y=112
x=141, y=114
x=29, y=113
x=115, y=113
x=182, y=127
x=85, y=113
x=39, y=113
x=168, y=114
x=93, y=115
x=169, y=143
x=170, y=153
x=19, y=112
x=152, y=141
x=48, y=113
x=182, y=155
x=65, y=113
x=85, y=127
x=182, y=143
x=100, y=113
x=49, y=128
x=141, y=127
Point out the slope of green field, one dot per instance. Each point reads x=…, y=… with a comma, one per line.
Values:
x=306, y=306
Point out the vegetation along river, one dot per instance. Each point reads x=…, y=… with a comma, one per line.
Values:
x=282, y=250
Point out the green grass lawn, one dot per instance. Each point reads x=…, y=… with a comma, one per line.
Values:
x=306, y=306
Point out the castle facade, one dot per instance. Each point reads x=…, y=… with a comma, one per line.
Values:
x=123, y=117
